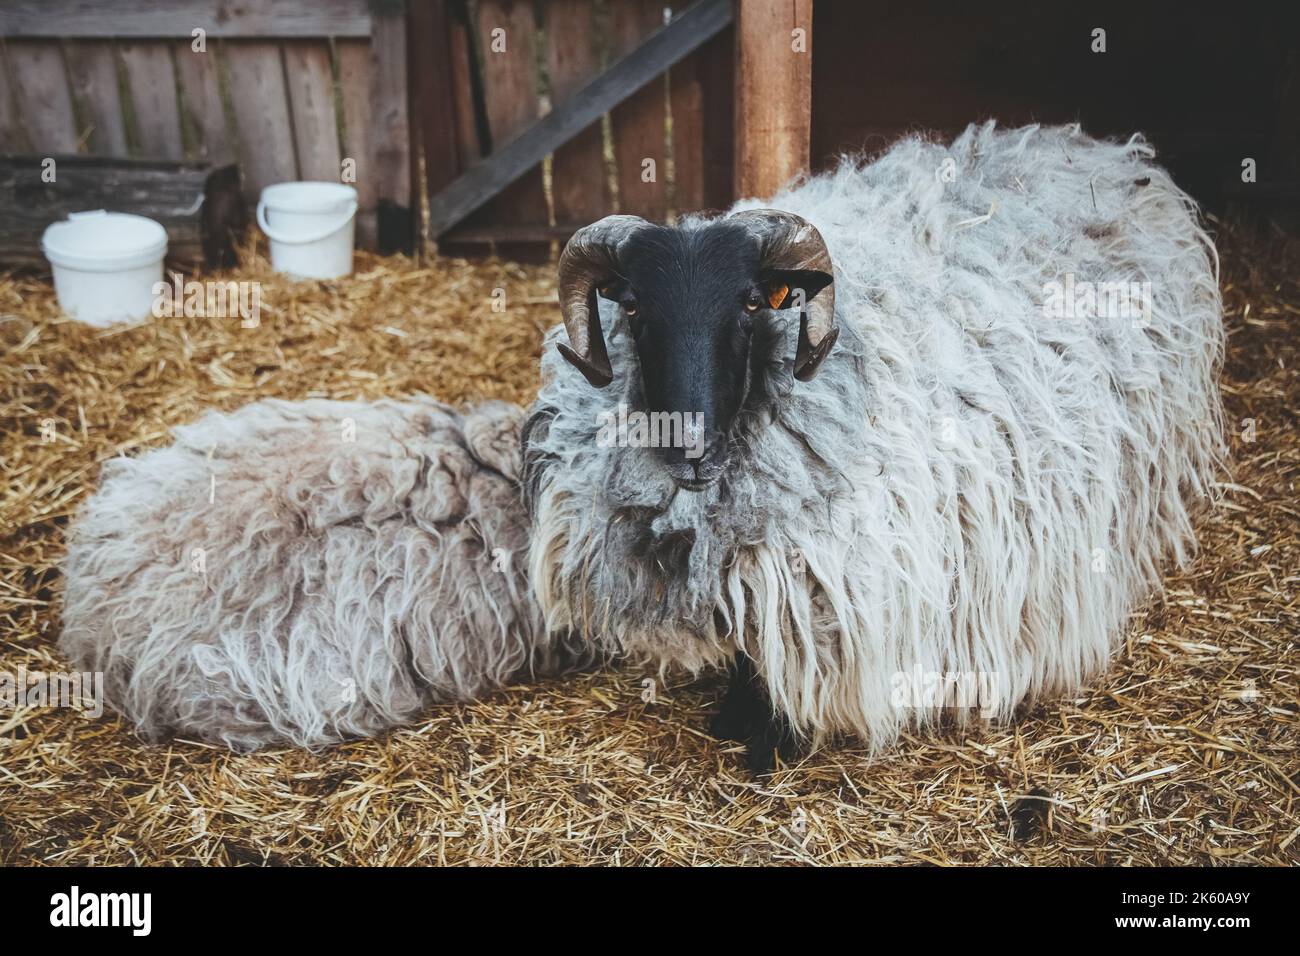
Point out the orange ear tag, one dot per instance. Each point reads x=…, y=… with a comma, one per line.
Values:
x=777, y=296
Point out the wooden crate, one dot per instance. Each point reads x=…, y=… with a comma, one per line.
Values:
x=197, y=203
x=290, y=89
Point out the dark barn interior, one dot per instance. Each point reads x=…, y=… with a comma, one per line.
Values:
x=1209, y=89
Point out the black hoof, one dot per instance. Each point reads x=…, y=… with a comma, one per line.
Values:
x=729, y=725
x=746, y=716
x=736, y=716
x=770, y=741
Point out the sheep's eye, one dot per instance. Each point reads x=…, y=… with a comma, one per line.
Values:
x=629, y=308
x=754, y=302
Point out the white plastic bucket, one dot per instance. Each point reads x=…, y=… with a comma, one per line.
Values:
x=311, y=227
x=105, y=265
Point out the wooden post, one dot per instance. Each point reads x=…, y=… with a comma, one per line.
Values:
x=390, y=128
x=773, y=93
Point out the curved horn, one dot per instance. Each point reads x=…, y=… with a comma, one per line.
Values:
x=589, y=258
x=790, y=243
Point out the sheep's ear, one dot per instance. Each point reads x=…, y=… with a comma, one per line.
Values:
x=784, y=287
x=797, y=288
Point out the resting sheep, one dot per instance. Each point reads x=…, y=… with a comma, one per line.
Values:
x=935, y=418
x=878, y=433
x=307, y=572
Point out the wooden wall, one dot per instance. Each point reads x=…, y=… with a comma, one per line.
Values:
x=1206, y=86
x=292, y=88
x=664, y=151
x=289, y=88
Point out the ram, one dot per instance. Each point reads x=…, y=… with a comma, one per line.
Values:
x=307, y=572
x=932, y=470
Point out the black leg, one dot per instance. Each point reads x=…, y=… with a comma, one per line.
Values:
x=771, y=738
x=735, y=718
x=746, y=715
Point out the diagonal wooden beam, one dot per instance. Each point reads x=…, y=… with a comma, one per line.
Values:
x=663, y=49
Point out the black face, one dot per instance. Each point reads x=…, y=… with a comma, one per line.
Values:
x=700, y=309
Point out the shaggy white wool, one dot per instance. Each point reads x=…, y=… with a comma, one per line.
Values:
x=971, y=486
x=306, y=572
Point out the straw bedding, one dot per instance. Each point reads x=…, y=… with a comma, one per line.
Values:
x=1184, y=753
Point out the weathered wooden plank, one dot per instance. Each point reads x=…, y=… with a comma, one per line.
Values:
x=390, y=127
x=151, y=81
x=471, y=128
x=515, y=157
x=13, y=138
x=507, y=32
x=92, y=70
x=468, y=145
x=310, y=79
x=196, y=203
x=773, y=122
x=41, y=91
x=507, y=234
x=580, y=188
x=199, y=73
x=639, y=123
x=261, y=105
x=716, y=61
x=686, y=106
x=353, y=58
x=176, y=18
x=432, y=83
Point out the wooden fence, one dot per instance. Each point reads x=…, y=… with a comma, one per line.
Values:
x=289, y=89
x=495, y=66
x=414, y=93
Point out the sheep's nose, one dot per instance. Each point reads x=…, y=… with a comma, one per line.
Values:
x=695, y=473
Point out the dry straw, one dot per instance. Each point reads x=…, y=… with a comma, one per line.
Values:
x=1185, y=753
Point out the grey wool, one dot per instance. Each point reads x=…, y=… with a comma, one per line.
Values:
x=982, y=481
x=307, y=572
